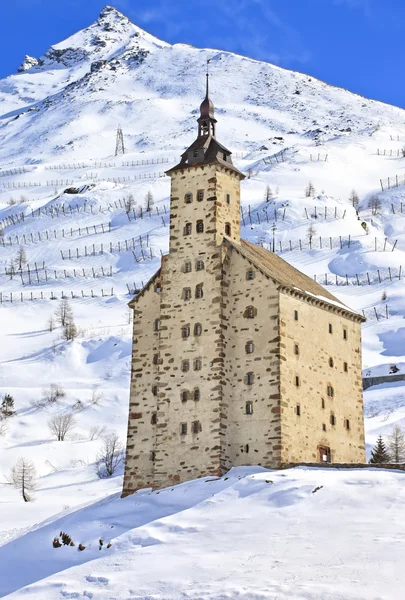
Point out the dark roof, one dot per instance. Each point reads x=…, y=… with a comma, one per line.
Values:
x=286, y=275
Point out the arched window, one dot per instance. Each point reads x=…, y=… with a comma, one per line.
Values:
x=197, y=394
x=199, y=291
x=249, y=347
x=199, y=265
x=197, y=364
x=185, y=366
x=200, y=226
x=330, y=391
x=250, y=312
x=249, y=378
x=185, y=331
x=184, y=396
x=188, y=198
x=227, y=229
x=197, y=329
x=156, y=325
x=330, y=361
x=187, y=229
x=250, y=274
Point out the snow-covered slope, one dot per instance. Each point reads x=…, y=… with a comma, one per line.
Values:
x=58, y=122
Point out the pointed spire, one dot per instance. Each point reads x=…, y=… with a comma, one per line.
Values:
x=207, y=112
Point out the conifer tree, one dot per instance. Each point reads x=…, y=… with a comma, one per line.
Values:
x=7, y=406
x=379, y=453
x=310, y=190
x=268, y=196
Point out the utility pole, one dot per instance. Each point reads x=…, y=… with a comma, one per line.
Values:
x=119, y=146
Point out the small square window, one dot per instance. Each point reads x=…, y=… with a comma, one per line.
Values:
x=183, y=428
x=249, y=408
x=188, y=198
x=249, y=347
x=298, y=410
x=323, y=427
x=330, y=328
x=250, y=275
x=345, y=367
x=296, y=315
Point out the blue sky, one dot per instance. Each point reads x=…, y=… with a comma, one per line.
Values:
x=356, y=44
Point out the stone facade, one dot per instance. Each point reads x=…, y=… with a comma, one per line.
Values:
x=238, y=359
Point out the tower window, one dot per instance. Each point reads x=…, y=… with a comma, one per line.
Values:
x=296, y=315
x=197, y=364
x=184, y=396
x=227, y=229
x=250, y=312
x=195, y=153
x=155, y=390
x=200, y=226
x=199, y=291
x=330, y=328
x=186, y=293
x=187, y=267
x=298, y=410
x=323, y=403
x=249, y=408
x=156, y=325
x=347, y=424
x=250, y=274
x=188, y=198
x=199, y=265
x=153, y=456
x=332, y=420
x=224, y=156
x=330, y=361
x=297, y=381
x=185, y=332
x=228, y=198
x=323, y=427
x=183, y=428
x=153, y=419
x=296, y=350
x=185, y=366
x=247, y=448
x=187, y=229
x=197, y=329
x=249, y=347
x=197, y=394
x=344, y=333
x=200, y=195
x=196, y=427
x=330, y=391
x=249, y=378
x=156, y=359
x=345, y=367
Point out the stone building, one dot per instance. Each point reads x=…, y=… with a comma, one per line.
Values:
x=238, y=358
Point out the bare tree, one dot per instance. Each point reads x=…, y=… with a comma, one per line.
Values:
x=52, y=394
x=354, y=198
x=396, y=445
x=149, y=202
x=110, y=456
x=97, y=431
x=268, y=196
x=23, y=477
x=309, y=190
x=50, y=324
x=3, y=427
x=20, y=259
x=64, y=312
x=311, y=232
x=70, y=331
x=96, y=395
x=61, y=425
x=129, y=203
x=375, y=204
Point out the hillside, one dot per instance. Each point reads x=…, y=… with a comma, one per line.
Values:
x=63, y=199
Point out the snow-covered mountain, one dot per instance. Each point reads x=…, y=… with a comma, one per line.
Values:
x=58, y=120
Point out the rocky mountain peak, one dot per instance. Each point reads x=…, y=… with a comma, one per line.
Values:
x=28, y=63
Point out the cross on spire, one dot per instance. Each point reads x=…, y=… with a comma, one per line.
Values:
x=207, y=120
